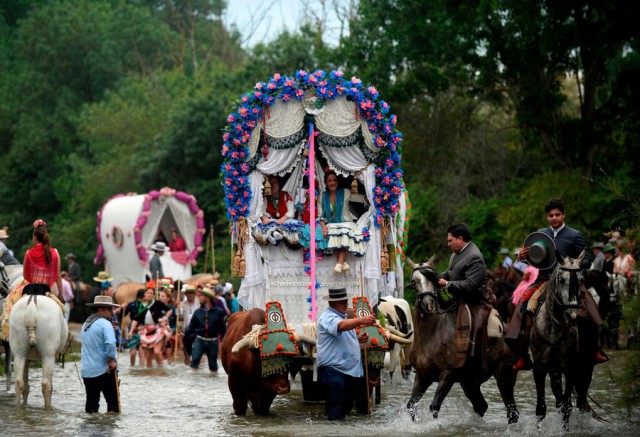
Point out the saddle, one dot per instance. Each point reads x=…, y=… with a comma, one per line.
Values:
x=471, y=333
x=36, y=290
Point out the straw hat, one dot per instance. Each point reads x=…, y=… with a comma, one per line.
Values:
x=103, y=301
x=336, y=294
x=208, y=292
x=103, y=277
x=166, y=283
x=188, y=288
x=3, y=234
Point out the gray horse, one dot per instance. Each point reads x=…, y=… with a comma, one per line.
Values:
x=560, y=341
x=433, y=353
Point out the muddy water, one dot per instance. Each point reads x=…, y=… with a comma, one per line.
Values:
x=172, y=402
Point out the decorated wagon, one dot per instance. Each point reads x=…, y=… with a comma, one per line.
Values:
x=298, y=128
x=129, y=224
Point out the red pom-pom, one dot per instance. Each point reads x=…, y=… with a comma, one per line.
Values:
x=279, y=347
x=358, y=331
x=374, y=341
x=265, y=338
x=292, y=337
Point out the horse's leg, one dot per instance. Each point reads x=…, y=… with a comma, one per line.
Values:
x=48, y=364
x=565, y=407
x=555, y=377
x=7, y=364
x=506, y=381
x=444, y=386
x=473, y=393
x=540, y=376
x=20, y=364
x=420, y=386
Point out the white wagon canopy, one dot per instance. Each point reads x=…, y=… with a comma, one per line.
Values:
x=128, y=224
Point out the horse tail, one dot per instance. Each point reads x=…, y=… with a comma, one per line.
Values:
x=31, y=320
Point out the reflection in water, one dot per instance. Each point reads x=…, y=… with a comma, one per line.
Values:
x=171, y=401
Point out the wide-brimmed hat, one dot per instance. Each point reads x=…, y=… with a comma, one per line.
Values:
x=3, y=234
x=188, y=288
x=609, y=249
x=542, y=250
x=337, y=294
x=102, y=277
x=598, y=245
x=70, y=255
x=504, y=251
x=160, y=246
x=103, y=301
x=208, y=292
x=166, y=283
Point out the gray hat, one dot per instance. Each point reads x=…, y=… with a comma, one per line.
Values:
x=160, y=246
x=103, y=301
x=542, y=250
x=504, y=251
x=336, y=294
x=598, y=245
x=218, y=289
x=70, y=255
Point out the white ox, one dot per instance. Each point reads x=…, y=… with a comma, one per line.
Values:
x=397, y=312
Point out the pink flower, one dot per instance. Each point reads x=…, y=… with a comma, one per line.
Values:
x=286, y=97
x=372, y=90
x=225, y=137
x=299, y=92
x=258, y=94
x=313, y=79
x=289, y=82
x=271, y=85
x=276, y=76
x=244, y=111
x=338, y=73
x=231, y=118
x=258, y=86
x=302, y=73
x=355, y=80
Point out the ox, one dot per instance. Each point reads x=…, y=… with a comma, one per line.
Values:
x=397, y=312
x=244, y=369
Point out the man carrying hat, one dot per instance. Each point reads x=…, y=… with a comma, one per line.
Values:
x=539, y=249
x=98, y=364
x=340, y=368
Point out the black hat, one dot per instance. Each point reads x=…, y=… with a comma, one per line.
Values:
x=336, y=294
x=542, y=250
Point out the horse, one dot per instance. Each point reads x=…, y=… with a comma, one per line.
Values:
x=433, y=353
x=510, y=275
x=38, y=331
x=561, y=341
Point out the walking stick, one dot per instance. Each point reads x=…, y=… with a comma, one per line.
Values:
x=175, y=350
x=213, y=249
x=115, y=375
x=366, y=361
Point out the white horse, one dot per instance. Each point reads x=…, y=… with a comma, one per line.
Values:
x=38, y=331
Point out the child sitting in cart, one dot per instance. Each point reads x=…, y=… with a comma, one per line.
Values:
x=277, y=222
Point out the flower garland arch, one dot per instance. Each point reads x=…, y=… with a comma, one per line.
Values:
x=250, y=108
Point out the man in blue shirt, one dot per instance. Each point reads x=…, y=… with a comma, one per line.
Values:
x=339, y=365
x=98, y=357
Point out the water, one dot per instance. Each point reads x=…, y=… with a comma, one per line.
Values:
x=170, y=401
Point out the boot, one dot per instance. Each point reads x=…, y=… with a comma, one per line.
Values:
x=523, y=361
x=601, y=356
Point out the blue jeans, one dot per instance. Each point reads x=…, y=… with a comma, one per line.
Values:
x=201, y=347
x=341, y=391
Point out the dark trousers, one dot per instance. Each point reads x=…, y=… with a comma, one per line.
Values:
x=341, y=391
x=201, y=347
x=105, y=384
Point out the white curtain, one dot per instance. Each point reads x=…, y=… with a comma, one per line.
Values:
x=178, y=216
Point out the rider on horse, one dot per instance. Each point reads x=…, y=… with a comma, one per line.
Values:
x=568, y=242
x=466, y=278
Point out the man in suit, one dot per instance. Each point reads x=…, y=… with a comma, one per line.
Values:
x=465, y=278
x=569, y=243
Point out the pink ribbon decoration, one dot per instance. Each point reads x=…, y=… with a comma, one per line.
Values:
x=312, y=222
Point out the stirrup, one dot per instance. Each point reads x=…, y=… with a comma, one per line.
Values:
x=601, y=357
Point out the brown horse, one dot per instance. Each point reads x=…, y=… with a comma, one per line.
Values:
x=433, y=353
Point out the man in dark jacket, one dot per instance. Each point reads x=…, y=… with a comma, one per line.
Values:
x=465, y=278
x=208, y=324
x=569, y=243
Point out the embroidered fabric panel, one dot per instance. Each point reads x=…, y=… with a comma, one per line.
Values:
x=339, y=118
x=283, y=119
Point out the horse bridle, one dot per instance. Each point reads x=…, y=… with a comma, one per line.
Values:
x=574, y=275
x=432, y=293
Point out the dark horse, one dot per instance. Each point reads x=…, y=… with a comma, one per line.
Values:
x=434, y=350
x=561, y=341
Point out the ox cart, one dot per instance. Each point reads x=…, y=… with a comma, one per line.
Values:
x=297, y=128
x=128, y=224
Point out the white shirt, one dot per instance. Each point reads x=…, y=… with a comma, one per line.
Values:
x=555, y=231
x=187, y=310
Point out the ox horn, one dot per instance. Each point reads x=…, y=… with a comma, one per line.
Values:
x=399, y=339
x=411, y=263
x=301, y=338
x=394, y=331
x=241, y=344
